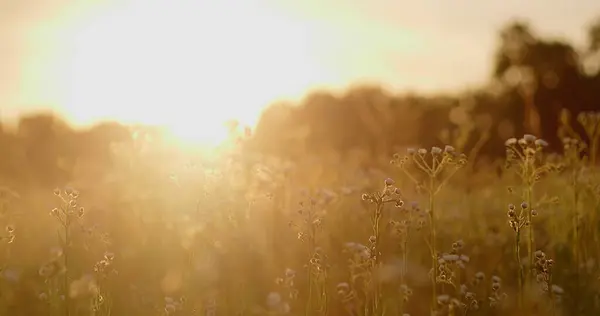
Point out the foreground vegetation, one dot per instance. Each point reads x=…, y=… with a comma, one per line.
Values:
x=231, y=232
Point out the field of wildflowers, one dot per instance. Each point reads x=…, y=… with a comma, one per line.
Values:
x=233, y=232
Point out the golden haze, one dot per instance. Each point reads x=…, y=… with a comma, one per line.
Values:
x=190, y=66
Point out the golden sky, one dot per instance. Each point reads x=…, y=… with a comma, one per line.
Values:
x=164, y=61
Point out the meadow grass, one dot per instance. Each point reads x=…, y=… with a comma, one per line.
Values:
x=241, y=233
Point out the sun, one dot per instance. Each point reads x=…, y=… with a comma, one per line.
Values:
x=189, y=66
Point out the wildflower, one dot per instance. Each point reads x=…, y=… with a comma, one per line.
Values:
x=285, y=308
x=443, y=299
x=343, y=288
x=470, y=296
x=46, y=270
x=43, y=296
x=529, y=138
x=557, y=289
x=541, y=143
x=539, y=254
x=411, y=151
x=11, y=275
x=54, y=212
x=510, y=142
x=459, y=244
x=449, y=149
x=495, y=287
x=170, y=309
x=273, y=299
x=399, y=203
x=289, y=273
x=109, y=256
x=350, y=245
x=436, y=150
x=480, y=276
x=450, y=257
x=389, y=182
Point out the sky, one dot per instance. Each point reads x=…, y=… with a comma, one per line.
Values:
x=92, y=59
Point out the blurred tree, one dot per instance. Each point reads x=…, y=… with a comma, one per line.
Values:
x=593, y=49
x=47, y=144
x=278, y=132
x=545, y=74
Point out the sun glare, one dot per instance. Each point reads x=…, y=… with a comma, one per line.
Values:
x=189, y=66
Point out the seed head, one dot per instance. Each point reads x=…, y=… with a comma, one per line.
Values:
x=443, y=299
x=496, y=286
x=109, y=256
x=539, y=254
x=541, y=143
x=459, y=244
x=480, y=276
x=510, y=142
x=529, y=138
x=273, y=299
x=557, y=289
x=470, y=296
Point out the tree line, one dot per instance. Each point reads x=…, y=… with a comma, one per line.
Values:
x=534, y=81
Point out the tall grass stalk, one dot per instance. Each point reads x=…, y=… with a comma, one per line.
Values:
x=526, y=154
x=389, y=194
x=434, y=165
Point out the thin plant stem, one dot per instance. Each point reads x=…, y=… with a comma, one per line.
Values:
x=433, y=241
